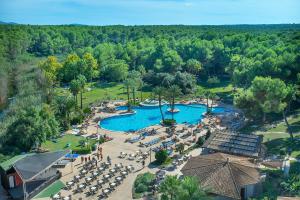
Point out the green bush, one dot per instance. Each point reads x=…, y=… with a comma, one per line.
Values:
x=141, y=188
x=207, y=135
x=82, y=150
x=213, y=80
x=94, y=146
x=142, y=184
x=200, y=141
x=77, y=117
x=87, y=111
x=101, y=140
x=169, y=122
x=161, y=156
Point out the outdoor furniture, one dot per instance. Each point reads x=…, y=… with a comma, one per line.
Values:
x=119, y=165
x=100, y=182
x=93, y=189
x=119, y=179
x=113, y=184
x=81, y=187
x=56, y=196
x=107, y=176
x=124, y=173
x=95, y=174
x=88, y=179
x=106, y=191
x=123, y=154
x=66, y=198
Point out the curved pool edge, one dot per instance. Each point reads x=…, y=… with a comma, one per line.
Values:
x=192, y=105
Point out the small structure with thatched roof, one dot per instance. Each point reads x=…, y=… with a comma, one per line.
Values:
x=225, y=176
x=235, y=143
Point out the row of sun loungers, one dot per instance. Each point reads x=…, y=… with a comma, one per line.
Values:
x=152, y=142
x=142, y=136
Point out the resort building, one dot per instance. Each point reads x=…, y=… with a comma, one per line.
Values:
x=225, y=176
x=29, y=174
x=248, y=145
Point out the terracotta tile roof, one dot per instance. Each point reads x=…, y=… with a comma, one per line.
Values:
x=223, y=174
x=235, y=143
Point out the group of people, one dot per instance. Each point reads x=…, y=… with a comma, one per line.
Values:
x=85, y=159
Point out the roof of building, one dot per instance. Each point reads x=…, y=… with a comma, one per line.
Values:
x=235, y=143
x=222, y=174
x=6, y=165
x=30, y=166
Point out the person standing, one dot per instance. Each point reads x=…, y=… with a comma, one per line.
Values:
x=143, y=163
x=108, y=160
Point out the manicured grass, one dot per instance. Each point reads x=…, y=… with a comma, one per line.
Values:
x=52, y=189
x=294, y=122
x=61, y=143
x=282, y=145
x=104, y=91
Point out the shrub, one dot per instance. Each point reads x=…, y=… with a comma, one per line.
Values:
x=207, y=134
x=87, y=111
x=200, y=141
x=180, y=148
x=161, y=156
x=83, y=150
x=77, y=118
x=213, y=80
x=169, y=122
x=141, y=188
x=101, y=140
x=142, y=184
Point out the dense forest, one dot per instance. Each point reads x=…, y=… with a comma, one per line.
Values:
x=35, y=60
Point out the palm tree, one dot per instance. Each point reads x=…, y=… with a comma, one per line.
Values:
x=207, y=95
x=128, y=84
x=75, y=88
x=173, y=92
x=82, y=81
x=159, y=91
x=212, y=96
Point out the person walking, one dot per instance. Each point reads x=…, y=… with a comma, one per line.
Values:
x=101, y=156
x=143, y=163
x=108, y=160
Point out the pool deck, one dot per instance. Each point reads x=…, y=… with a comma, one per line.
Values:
x=113, y=149
x=117, y=145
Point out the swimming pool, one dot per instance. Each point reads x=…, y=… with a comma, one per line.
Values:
x=147, y=116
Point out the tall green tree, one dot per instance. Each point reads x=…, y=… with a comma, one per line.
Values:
x=33, y=126
x=267, y=95
x=82, y=81
x=187, y=189
x=75, y=87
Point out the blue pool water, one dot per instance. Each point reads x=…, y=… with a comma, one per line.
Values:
x=147, y=116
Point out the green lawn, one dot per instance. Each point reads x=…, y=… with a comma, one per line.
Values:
x=61, y=143
x=294, y=122
x=52, y=189
x=104, y=91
